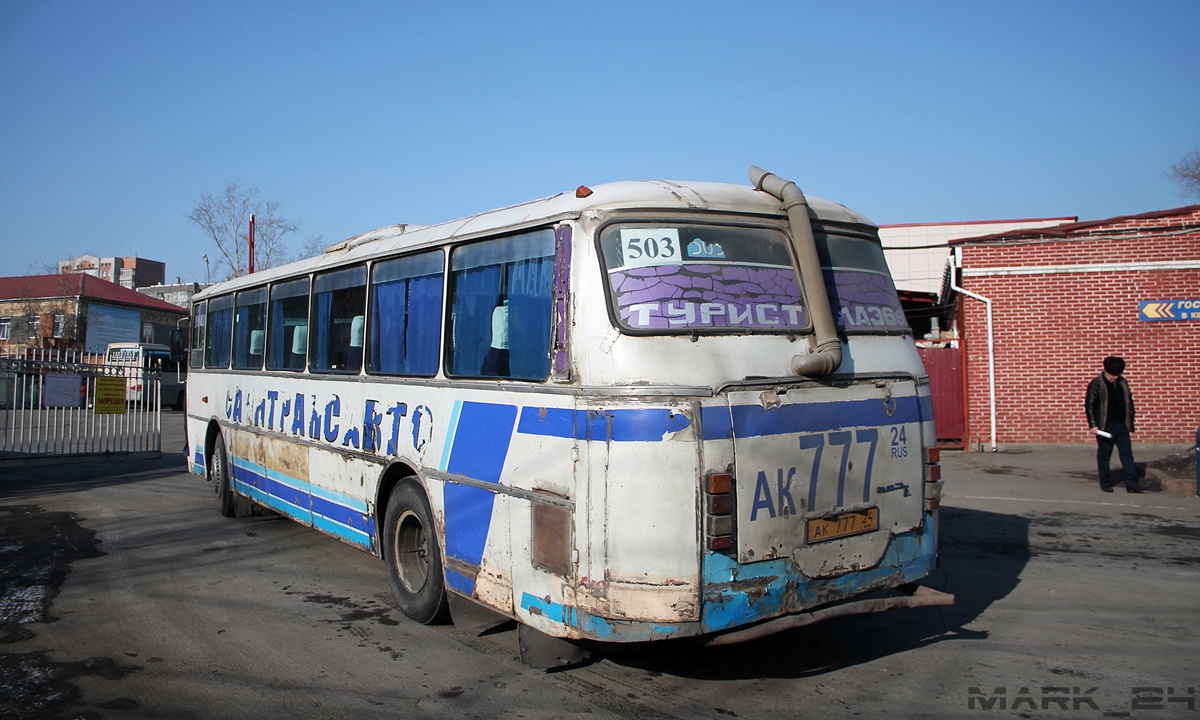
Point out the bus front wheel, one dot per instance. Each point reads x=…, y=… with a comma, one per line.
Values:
x=219, y=474
x=413, y=557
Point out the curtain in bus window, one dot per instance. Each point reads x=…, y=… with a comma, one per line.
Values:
x=338, y=320
x=241, y=337
x=501, y=320
x=529, y=303
x=277, y=339
x=388, y=323
x=405, y=326
x=425, y=325
x=323, y=316
x=476, y=295
x=220, y=332
x=249, y=328
x=406, y=301
x=287, y=343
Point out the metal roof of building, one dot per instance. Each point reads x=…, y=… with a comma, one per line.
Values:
x=39, y=287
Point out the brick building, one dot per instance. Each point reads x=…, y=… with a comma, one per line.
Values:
x=79, y=312
x=916, y=252
x=1064, y=297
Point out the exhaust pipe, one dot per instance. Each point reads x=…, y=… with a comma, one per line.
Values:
x=826, y=357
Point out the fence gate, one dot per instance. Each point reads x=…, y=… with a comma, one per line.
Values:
x=58, y=407
x=944, y=366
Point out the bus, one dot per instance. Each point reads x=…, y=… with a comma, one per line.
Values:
x=634, y=412
x=145, y=359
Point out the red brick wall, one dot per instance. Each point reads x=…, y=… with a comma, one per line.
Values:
x=1052, y=332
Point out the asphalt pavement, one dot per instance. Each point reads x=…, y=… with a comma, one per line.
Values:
x=112, y=603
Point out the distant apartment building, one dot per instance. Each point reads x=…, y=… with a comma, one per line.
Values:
x=129, y=272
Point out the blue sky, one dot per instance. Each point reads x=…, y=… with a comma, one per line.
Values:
x=116, y=116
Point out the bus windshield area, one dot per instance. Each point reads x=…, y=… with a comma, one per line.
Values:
x=860, y=287
x=711, y=278
x=702, y=278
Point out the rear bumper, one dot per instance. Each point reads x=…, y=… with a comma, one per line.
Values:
x=910, y=596
x=740, y=602
x=739, y=595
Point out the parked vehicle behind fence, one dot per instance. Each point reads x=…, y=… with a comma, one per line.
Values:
x=149, y=357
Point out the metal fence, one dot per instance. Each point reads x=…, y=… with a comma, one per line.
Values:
x=62, y=406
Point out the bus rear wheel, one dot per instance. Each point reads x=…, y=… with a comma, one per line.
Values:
x=219, y=475
x=413, y=557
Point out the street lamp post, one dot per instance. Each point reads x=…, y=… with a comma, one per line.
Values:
x=207, y=269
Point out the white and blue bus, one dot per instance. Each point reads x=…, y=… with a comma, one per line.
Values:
x=633, y=412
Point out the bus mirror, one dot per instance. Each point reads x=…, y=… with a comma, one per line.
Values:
x=178, y=352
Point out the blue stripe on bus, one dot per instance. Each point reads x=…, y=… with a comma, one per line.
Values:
x=744, y=421
x=448, y=445
x=251, y=480
x=599, y=627
x=650, y=425
x=559, y=613
x=639, y=425
x=339, y=515
x=926, y=405
x=716, y=423
x=481, y=438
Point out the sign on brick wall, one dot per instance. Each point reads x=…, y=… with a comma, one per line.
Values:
x=1157, y=310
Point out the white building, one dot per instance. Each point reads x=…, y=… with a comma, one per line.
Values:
x=916, y=253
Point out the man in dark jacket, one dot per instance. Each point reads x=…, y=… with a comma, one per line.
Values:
x=1110, y=417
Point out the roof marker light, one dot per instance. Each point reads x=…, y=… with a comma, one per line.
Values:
x=582, y=191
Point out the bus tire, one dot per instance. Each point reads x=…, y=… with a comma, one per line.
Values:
x=413, y=556
x=219, y=475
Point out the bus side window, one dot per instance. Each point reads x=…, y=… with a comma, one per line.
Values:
x=406, y=315
x=338, y=298
x=287, y=338
x=250, y=321
x=220, y=332
x=501, y=295
x=199, y=323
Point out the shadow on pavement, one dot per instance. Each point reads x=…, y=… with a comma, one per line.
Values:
x=982, y=557
x=16, y=482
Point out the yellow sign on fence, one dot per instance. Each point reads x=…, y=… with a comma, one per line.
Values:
x=110, y=396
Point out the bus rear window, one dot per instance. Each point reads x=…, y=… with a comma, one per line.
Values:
x=702, y=278
x=860, y=286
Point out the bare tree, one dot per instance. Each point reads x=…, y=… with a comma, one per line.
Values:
x=1186, y=172
x=313, y=246
x=226, y=218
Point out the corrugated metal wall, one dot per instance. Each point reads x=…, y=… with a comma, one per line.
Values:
x=944, y=366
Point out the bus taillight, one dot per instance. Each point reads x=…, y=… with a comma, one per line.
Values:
x=718, y=512
x=933, y=479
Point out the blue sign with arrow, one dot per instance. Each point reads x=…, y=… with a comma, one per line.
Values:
x=1160, y=310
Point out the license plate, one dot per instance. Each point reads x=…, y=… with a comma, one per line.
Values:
x=831, y=527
